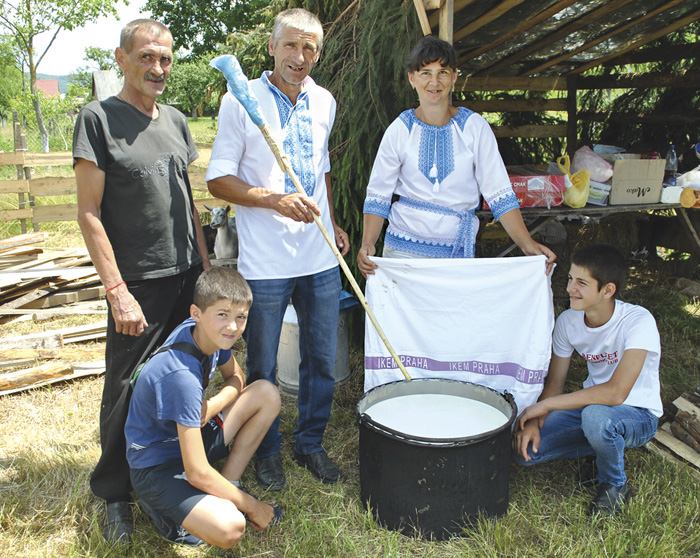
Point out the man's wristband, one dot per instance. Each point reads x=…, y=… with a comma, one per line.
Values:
x=115, y=286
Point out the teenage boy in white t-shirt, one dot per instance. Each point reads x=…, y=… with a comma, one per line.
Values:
x=620, y=402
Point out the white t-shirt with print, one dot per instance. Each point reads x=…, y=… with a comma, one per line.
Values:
x=630, y=327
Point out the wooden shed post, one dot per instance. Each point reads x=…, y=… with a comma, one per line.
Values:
x=447, y=20
x=571, y=115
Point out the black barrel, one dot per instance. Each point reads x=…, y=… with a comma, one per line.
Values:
x=437, y=486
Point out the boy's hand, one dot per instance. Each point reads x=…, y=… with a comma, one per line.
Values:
x=523, y=437
x=260, y=514
x=206, y=413
x=539, y=411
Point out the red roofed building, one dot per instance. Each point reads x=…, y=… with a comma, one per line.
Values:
x=48, y=86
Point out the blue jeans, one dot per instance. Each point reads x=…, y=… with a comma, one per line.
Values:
x=597, y=430
x=316, y=299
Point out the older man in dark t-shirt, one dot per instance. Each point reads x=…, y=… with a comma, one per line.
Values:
x=140, y=225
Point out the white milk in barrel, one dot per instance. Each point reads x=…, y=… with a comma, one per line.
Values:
x=437, y=416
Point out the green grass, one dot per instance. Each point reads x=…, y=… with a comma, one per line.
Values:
x=49, y=443
x=203, y=129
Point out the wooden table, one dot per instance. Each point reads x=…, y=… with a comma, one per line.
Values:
x=543, y=216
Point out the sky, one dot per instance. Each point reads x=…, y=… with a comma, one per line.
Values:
x=67, y=52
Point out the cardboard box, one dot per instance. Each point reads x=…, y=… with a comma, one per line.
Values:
x=635, y=180
x=534, y=188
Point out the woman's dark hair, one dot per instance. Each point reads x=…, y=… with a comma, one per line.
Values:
x=605, y=263
x=431, y=49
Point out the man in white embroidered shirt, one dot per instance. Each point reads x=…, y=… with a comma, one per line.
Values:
x=282, y=253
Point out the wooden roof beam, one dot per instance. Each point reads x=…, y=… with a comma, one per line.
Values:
x=665, y=53
x=497, y=83
x=597, y=41
x=487, y=18
x=546, y=14
x=560, y=33
x=447, y=20
x=695, y=16
x=458, y=5
x=423, y=16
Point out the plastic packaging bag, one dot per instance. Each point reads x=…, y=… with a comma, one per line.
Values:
x=577, y=195
x=599, y=168
x=690, y=178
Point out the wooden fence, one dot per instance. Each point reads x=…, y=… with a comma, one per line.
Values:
x=29, y=190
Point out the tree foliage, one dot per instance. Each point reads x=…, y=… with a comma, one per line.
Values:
x=191, y=86
x=25, y=19
x=10, y=77
x=201, y=25
x=97, y=59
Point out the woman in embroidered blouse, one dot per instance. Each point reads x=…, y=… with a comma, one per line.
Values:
x=438, y=159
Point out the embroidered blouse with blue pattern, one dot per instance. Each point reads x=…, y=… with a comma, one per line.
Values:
x=438, y=174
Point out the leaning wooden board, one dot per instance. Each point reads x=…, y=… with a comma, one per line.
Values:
x=71, y=372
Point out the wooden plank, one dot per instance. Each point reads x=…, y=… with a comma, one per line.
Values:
x=422, y=17
x=48, y=354
x=51, y=340
x=658, y=449
x=64, y=273
x=21, y=378
x=53, y=186
x=666, y=53
x=514, y=105
x=86, y=308
x=682, y=404
x=678, y=448
x=605, y=9
x=22, y=240
x=52, y=213
x=648, y=38
x=12, y=158
x=504, y=83
x=447, y=20
x=54, y=158
x=527, y=24
x=435, y=16
x=14, y=214
x=630, y=117
x=606, y=36
x=29, y=297
x=640, y=81
x=89, y=332
x=67, y=297
x=79, y=370
x=531, y=131
x=19, y=252
x=493, y=14
x=14, y=186
x=13, y=262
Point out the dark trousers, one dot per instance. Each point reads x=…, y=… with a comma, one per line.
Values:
x=165, y=303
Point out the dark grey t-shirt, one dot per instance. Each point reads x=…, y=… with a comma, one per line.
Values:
x=147, y=207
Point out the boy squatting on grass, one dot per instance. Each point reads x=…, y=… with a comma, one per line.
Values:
x=620, y=402
x=173, y=435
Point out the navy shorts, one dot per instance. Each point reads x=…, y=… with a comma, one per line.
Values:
x=165, y=487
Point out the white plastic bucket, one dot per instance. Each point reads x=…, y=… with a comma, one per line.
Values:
x=288, y=357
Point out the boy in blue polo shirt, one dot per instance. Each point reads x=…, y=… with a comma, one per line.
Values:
x=174, y=435
x=620, y=402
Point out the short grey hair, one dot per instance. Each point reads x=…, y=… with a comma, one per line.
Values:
x=297, y=18
x=155, y=28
